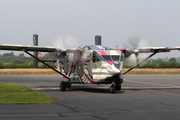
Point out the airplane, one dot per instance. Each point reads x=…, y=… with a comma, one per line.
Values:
x=90, y=64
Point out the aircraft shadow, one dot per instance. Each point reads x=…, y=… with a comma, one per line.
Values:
x=96, y=90
x=80, y=88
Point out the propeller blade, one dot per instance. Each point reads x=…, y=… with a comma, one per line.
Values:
x=58, y=42
x=64, y=42
x=131, y=60
x=70, y=42
x=133, y=43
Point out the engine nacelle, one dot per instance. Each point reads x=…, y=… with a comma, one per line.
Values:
x=129, y=52
x=73, y=55
x=59, y=53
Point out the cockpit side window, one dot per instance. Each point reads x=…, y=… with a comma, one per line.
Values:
x=97, y=57
x=122, y=57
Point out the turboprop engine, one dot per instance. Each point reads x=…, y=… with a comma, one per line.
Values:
x=60, y=53
x=130, y=51
x=73, y=55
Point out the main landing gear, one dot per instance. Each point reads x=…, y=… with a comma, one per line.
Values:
x=115, y=87
x=64, y=85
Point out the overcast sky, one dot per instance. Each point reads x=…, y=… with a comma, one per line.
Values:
x=158, y=21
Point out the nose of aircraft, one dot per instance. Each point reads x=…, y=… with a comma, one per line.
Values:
x=111, y=67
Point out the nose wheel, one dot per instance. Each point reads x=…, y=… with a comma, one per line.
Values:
x=115, y=87
x=118, y=86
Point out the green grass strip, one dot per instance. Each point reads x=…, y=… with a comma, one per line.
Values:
x=11, y=93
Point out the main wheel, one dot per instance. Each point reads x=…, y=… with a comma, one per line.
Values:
x=68, y=85
x=62, y=86
x=112, y=88
x=118, y=86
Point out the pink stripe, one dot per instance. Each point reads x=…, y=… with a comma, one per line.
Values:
x=110, y=62
x=102, y=52
x=121, y=49
x=64, y=77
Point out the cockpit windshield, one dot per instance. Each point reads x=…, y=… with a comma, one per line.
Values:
x=115, y=57
x=107, y=57
x=111, y=57
x=96, y=47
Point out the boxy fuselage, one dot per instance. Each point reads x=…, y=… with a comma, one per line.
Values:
x=96, y=65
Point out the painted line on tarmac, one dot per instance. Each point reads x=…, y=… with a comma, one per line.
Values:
x=174, y=86
x=45, y=88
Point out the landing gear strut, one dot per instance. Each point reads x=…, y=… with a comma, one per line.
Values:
x=112, y=88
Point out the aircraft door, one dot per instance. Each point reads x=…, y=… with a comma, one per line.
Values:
x=96, y=62
x=86, y=66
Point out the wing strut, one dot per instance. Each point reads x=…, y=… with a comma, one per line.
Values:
x=46, y=64
x=141, y=62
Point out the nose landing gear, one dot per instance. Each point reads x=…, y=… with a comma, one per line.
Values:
x=115, y=87
x=112, y=88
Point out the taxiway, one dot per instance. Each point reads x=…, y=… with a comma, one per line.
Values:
x=142, y=97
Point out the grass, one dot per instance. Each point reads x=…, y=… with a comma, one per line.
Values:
x=27, y=71
x=35, y=71
x=146, y=71
x=11, y=93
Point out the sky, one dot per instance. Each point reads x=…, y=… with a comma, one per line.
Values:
x=157, y=21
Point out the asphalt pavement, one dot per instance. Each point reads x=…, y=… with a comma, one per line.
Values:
x=142, y=97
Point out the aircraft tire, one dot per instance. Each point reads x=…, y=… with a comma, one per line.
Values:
x=62, y=86
x=68, y=85
x=112, y=88
x=118, y=86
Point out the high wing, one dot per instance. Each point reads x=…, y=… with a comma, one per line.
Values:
x=153, y=50
x=157, y=49
x=27, y=48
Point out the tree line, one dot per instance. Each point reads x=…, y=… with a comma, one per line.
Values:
x=159, y=63
x=9, y=60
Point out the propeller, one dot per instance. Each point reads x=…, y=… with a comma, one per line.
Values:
x=132, y=55
x=63, y=42
x=66, y=46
